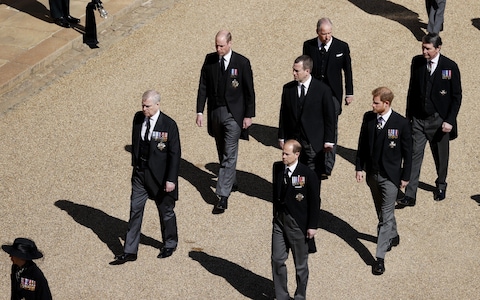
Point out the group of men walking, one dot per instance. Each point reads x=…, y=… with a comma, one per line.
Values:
x=390, y=147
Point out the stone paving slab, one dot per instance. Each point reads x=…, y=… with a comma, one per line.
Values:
x=29, y=40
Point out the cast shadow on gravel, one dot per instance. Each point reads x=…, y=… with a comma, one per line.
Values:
x=246, y=282
x=394, y=12
x=346, y=232
x=264, y=134
x=200, y=179
x=108, y=229
x=476, y=198
x=248, y=183
x=476, y=23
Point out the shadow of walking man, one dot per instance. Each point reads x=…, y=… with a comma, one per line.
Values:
x=246, y=282
x=31, y=7
x=350, y=235
x=394, y=12
x=108, y=229
x=248, y=183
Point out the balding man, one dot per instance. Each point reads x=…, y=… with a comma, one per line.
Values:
x=296, y=209
x=330, y=57
x=226, y=85
x=156, y=161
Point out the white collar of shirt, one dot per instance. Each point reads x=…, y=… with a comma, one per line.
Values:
x=434, y=63
x=291, y=168
x=306, y=84
x=227, y=58
x=153, y=121
x=385, y=116
x=327, y=45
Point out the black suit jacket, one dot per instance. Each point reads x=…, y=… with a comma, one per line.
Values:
x=338, y=59
x=396, y=143
x=239, y=91
x=163, y=162
x=302, y=201
x=446, y=93
x=317, y=118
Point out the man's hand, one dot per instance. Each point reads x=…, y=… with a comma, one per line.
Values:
x=311, y=233
x=327, y=147
x=281, y=143
x=403, y=184
x=348, y=100
x=247, y=122
x=169, y=186
x=446, y=127
x=199, y=120
x=359, y=176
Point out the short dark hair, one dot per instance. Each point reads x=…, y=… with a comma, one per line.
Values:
x=306, y=60
x=432, y=38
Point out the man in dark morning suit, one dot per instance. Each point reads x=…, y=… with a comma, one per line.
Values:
x=435, y=11
x=296, y=210
x=226, y=85
x=433, y=101
x=60, y=12
x=307, y=114
x=385, y=153
x=330, y=57
x=156, y=160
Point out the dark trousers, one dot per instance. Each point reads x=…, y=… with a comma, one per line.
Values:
x=227, y=133
x=315, y=161
x=384, y=193
x=330, y=156
x=430, y=130
x=435, y=11
x=59, y=8
x=165, y=205
x=287, y=235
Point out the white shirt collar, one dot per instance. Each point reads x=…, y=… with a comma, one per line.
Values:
x=154, y=118
x=306, y=83
x=327, y=45
x=227, y=57
x=292, y=168
x=385, y=116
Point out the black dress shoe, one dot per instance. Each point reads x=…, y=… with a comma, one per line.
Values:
x=394, y=242
x=439, y=195
x=123, y=258
x=72, y=20
x=406, y=201
x=378, y=267
x=166, y=252
x=222, y=203
x=62, y=22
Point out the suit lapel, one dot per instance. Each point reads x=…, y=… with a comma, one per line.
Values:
x=156, y=127
x=136, y=136
x=294, y=100
x=372, y=131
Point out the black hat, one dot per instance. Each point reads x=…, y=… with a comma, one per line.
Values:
x=23, y=248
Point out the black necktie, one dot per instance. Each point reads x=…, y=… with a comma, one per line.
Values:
x=379, y=123
x=322, y=49
x=222, y=65
x=285, y=176
x=147, y=130
x=429, y=67
x=302, y=94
